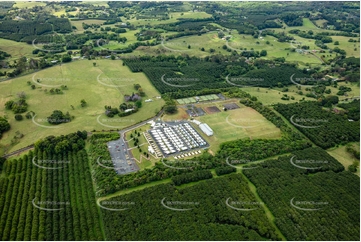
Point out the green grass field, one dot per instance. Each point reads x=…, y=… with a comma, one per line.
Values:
x=344, y=157
x=173, y=18
x=273, y=96
x=16, y=49
x=347, y=46
x=104, y=84
x=241, y=123
x=28, y=4
x=143, y=144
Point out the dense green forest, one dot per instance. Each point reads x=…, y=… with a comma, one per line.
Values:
x=211, y=72
x=209, y=217
x=326, y=129
x=321, y=206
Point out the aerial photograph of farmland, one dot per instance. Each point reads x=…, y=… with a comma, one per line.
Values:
x=179, y=120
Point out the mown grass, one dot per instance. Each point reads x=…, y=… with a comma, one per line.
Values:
x=81, y=78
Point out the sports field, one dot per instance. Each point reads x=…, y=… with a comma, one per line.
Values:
x=100, y=85
x=201, y=98
x=241, y=123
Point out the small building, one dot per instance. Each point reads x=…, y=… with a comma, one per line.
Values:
x=148, y=100
x=196, y=122
x=206, y=129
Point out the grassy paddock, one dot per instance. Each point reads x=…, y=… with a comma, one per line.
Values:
x=94, y=84
x=344, y=157
x=16, y=49
x=241, y=123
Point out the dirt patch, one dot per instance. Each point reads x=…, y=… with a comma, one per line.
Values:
x=212, y=109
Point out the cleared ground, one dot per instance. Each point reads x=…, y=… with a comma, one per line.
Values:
x=104, y=84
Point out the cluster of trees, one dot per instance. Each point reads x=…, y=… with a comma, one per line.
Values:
x=57, y=117
x=277, y=76
x=197, y=74
x=348, y=68
x=352, y=109
x=329, y=129
x=4, y=55
x=292, y=19
x=131, y=105
x=343, y=89
x=56, y=144
x=225, y=170
x=209, y=218
x=25, y=187
x=191, y=177
x=26, y=30
x=18, y=106
x=334, y=194
x=4, y=125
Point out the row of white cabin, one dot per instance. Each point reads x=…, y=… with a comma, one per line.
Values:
x=187, y=154
x=177, y=138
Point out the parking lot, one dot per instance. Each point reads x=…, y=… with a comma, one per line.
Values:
x=122, y=161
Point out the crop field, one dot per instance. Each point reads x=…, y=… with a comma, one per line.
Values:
x=84, y=81
x=240, y=123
